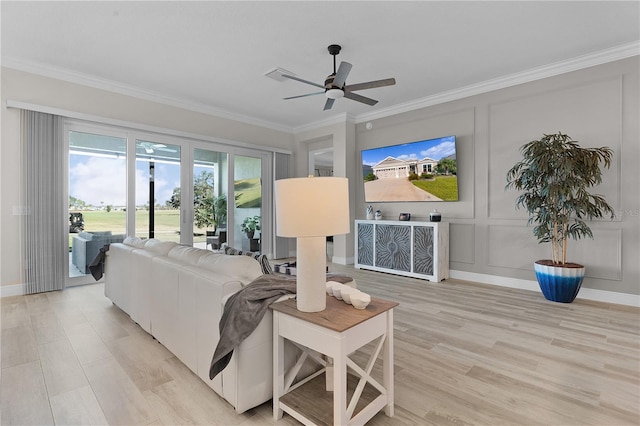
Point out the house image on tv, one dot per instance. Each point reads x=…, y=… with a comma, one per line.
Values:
x=392, y=167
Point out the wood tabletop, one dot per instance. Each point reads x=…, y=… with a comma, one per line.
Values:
x=338, y=316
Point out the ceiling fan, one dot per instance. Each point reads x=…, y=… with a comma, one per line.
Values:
x=335, y=85
x=150, y=147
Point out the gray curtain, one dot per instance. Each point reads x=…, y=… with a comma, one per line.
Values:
x=281, y=171
x=46, y=237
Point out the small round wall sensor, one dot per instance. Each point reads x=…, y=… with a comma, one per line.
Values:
x=369, y=125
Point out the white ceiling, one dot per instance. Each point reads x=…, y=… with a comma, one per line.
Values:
x=212, y=56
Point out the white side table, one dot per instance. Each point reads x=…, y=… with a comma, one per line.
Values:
x=336, y=332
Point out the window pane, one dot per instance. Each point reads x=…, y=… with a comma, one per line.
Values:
x=248, y=202
x=97, y=196
x=209, y=198
x=157, y=190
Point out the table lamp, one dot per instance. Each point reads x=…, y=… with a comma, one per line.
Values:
x=311, y=209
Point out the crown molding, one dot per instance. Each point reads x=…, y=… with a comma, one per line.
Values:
x=585, y=61
x=136, y=92
x=616, y=53
x=342, y=118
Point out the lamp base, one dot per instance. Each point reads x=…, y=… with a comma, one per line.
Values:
x=311, y=278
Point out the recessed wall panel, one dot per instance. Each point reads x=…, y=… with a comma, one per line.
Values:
x=515, y=247
x=589, y=113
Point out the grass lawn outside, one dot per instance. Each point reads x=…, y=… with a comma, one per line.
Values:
x=443, y=187
x=167, y=223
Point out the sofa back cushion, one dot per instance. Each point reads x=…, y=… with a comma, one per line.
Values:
x=261, y=258
x=186, y=254
x=240, y=268
x=136, y=242
x=159, y=247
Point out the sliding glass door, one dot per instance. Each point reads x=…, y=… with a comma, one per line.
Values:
x=157, y=190
x=123, y=182
x=247, y=195
x=97, y=193
x=209, y=189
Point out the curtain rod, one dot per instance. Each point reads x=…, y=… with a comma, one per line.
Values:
x=137, y=126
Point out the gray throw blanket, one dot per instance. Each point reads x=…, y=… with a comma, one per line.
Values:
x=244, y=311
x=97, y=265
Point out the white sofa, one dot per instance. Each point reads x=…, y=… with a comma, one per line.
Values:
x=177, y=293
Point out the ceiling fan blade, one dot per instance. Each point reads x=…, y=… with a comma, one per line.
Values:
x=303, y=81
x=304, y=96
x=341, y=75
x=328, y=104
x=370, y=84
x=360, y=98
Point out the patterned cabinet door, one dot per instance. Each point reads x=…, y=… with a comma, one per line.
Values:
x=423, y=250
x=365, y=244
x=393, y=247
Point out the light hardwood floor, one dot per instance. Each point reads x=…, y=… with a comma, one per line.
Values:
x=465, y=353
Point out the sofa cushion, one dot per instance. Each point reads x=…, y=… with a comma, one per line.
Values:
x=186, y=254
x=240, y=268
x=261, y=258
x=159, y=247
x=136, y=242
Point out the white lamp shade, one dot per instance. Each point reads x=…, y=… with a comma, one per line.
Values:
x=312, y=206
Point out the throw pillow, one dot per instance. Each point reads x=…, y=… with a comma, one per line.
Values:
x=261, y=258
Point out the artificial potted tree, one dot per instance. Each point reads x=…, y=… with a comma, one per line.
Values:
x=555, y=174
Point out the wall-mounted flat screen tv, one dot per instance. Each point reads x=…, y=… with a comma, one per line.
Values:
x=418, y=171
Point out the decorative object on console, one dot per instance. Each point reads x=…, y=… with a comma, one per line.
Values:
x=311, y=209
x=404, y=216
x=369, y=212
x=378, y=215
x=435, y=216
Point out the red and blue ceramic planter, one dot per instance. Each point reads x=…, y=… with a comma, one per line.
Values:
x=559, y=283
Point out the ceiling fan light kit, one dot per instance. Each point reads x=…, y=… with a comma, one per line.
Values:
x=335, y=86
x=334, y=93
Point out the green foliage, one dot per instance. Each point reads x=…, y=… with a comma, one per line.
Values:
x=413, y=176
x=76, y=204
x=426, y=176
x=220, y=209
x=554, y=175
x=251, y=223
x=203, y=200
x=369, y=177
x=443, y=187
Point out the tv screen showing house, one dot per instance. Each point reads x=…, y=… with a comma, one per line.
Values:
x=417, y=171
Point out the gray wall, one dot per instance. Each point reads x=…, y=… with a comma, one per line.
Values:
x=596, y=106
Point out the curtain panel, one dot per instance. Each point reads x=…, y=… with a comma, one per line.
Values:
x=46, y=251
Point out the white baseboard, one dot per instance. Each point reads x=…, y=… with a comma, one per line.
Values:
x=585, y=293
x=342, y=260
x=13, y=290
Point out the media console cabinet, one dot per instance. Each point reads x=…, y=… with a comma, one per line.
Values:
x=414, y=249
